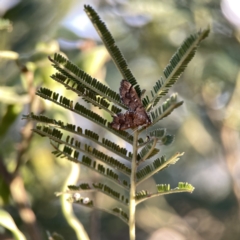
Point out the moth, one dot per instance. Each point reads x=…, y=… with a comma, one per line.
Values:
x=136, y=114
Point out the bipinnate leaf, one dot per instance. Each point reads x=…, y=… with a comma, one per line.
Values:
x=112, y=48
x=165, y=109
x=101, y=154
x=157, y=165
x=163, y=189
x=100, y=187
x=175, y=68
x=70, y=71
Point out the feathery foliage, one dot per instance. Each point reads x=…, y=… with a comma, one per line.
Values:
x=102, y=154
x=175, y=68
x=112, y=48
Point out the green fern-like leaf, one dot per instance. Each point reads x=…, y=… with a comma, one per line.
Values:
x=86, y=94
x=111, y=192
x=185, y=186
x=72, y=145
x=165, y=109
x=163, y=189
x=112, y=48
x=158, y=165
x=100, y=154
x=71, y=71
x=182, y=186
x=121, y=213
x=108, y=173
x=76, y=129
x=142, y=194
x=162, y=137
x=100, y=187
x=175, y=68
x=68, y=104
x=82, y=186
x=148, y=151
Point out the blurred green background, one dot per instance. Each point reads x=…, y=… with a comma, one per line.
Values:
x=206, y=127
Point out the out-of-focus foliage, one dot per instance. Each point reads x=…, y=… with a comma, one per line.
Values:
x=207, y=125
x=7, y=222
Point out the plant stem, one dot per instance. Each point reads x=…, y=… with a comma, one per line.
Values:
x=132, y=203
x=67, y=208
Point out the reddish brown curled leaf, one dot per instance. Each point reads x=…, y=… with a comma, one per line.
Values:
x=136, y=114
